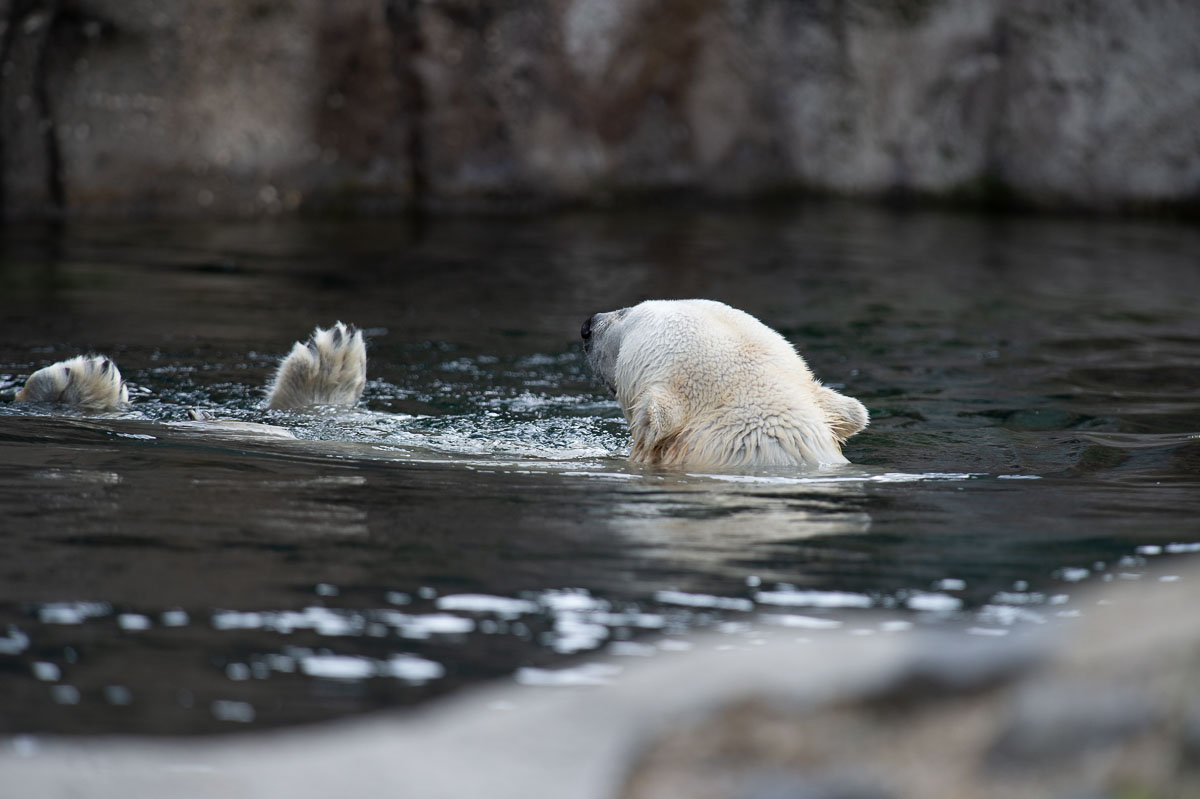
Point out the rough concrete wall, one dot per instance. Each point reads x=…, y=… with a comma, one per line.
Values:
x=1085, y=103
x=1103, y=102
x=193, y=106
x=225, y=106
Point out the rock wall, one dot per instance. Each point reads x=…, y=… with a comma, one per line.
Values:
x=195, y=106
x=237, y=107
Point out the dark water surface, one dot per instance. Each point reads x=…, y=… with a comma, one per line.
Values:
x=1034, y=387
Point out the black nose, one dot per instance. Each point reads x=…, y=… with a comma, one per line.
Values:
x=586, y=330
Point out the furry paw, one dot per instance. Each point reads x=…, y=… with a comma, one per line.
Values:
x=330, y=369
x=87, y=382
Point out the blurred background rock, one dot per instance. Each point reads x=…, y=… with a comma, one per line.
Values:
x=246, y=107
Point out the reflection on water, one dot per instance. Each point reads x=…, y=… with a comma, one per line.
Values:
x=1036, y=428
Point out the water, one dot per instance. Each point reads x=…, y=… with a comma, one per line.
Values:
x=1032, y=384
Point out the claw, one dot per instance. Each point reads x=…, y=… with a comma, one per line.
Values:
x=331, y=372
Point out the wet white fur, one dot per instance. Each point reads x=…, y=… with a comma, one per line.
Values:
x=87, y=382
x=329, y=369
x=706, y=385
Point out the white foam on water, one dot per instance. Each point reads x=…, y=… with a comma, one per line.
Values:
x=421, y=626
x=319, y=619
x=133, y=622
x=235, y=620
x=933, y=603
x=800, y=622
x=46, y=672
x=563, y=600
x=486, y=603
x=703, y=600
x=818, y=479
x=645, y=621
x=575, y=632
x=72, y=612
x=338, y=667
x=412, y=669
x=402, y=666
x=14, y=643
x=814, y=599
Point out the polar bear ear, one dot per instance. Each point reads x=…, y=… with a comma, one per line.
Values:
x=846, y=415
x=654, y=422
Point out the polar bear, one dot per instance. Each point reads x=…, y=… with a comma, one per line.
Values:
x=329, y=369
x=704, y=385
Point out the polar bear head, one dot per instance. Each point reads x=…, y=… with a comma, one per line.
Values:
x=706, y=385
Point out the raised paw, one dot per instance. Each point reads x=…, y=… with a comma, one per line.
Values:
x=330, y=369
x=87, y=382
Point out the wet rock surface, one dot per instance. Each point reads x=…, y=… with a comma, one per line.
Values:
x=125, y=106
x=1107, y=711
